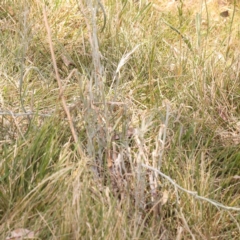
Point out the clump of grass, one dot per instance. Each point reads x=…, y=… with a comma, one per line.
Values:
x=131, y=132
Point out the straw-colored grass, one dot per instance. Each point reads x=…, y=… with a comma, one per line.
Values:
x=120, y=119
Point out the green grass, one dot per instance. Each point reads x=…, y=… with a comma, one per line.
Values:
x=159, y=86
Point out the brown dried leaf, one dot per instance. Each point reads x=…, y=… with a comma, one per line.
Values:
x=164, y=198
x=21, y=233
x=236, y=177
x=109, y=159
x=224, y=14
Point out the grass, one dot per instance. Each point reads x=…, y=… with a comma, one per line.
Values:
x=131, y=132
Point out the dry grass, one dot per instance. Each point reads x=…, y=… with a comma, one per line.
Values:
x=131, y=132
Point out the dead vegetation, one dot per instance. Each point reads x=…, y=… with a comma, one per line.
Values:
x=119, y=120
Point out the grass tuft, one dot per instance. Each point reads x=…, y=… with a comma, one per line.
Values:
x=120, y=119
